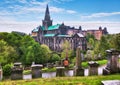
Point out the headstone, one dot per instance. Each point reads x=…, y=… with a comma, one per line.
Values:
x=113, y=62
x=60, y=71
x=111, y=82
x=78, y=70
x=1, y=73
x=36, y=70
x=93, y=68
x=17, y=71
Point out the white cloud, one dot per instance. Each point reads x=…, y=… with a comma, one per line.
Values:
x=96, y=15
x=56, y=10
x=27, y=27
x=62, y=1
x=71, y=12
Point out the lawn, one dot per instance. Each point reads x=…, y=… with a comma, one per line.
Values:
x=100, y=62
x=84, y=65
x=90, y=80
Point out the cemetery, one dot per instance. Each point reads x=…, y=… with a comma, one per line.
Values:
x=35, y=71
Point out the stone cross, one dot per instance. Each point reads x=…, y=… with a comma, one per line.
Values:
x=78, y=57
x=78, y=71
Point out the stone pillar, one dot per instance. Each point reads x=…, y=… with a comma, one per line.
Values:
x=113, y=62
x=93, y=68
x=78, y=70
x=60, y=71
x=36, y=70
x=17, y=71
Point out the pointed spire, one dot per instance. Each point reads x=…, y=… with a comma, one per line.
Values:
x=47, y=21
x=47, y=14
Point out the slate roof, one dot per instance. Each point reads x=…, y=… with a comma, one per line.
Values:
x=80, y=35
x=49, y=35
x=53, y=27
x=36, y=29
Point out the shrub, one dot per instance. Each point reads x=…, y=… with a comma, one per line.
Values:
x=25, y=72
x=7, y=69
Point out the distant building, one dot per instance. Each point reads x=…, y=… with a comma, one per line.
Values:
x=55, y=35
x=97, y=33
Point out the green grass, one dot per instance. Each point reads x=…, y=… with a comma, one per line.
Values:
x=100, y=62
x=71, y=66
x=89, y=80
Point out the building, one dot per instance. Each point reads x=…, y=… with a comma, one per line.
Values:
x=55, y=35
x=97, y=33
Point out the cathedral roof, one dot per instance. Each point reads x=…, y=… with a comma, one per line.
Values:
x=35, y=30
x=49, y=35
x=53, y=27
x=80, y=35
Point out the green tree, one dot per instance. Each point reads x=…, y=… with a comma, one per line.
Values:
x=67, y=51
x=54, y=57
x=91, y=43
x=46, y=52
x=7, y=53
x=103, y=46
x=116, y=41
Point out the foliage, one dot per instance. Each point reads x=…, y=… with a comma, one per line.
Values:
x=7, y=53
x=103, y=46
x=7, y=69
x=22, y=48
x=116, y=41
x=67, y=51
x=25, y=72
x=89, y=36
x=48, y=69
x=54, y=57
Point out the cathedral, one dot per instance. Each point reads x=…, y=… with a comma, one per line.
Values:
x=55, y=35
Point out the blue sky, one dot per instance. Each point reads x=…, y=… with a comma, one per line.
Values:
x=24, y=11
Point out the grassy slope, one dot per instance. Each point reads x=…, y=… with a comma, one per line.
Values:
x=90, y=80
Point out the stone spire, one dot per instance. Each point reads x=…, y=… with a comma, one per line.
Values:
x=47, y=14
x=47, y=22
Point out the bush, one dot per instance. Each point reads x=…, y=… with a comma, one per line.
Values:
x=7, y=70
x=25, y=72
x=49, y=69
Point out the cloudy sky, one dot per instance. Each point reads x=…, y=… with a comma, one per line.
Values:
x=25, y=15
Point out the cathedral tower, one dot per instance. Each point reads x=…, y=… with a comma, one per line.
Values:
x=47, y=22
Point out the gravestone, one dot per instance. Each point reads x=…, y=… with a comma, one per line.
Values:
x=113, y=62
x=36, y=70
x=60, y=71
x=1, y=73
x=111, y=82
x=78, y=70
x=17, y=71
x=93, y=68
